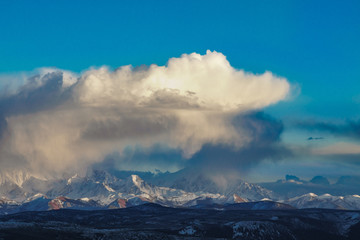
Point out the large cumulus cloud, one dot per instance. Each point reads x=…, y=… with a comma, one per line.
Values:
x=58, y=121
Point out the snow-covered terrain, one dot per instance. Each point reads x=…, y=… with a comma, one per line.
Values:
x=99, y=189
x=311, y=200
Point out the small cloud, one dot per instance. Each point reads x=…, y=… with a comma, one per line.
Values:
x=348, y=129
x=315, y=138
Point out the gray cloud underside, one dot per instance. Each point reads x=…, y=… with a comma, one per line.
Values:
x=211, y=159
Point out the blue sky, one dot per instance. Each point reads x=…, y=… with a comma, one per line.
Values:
x=314, y=44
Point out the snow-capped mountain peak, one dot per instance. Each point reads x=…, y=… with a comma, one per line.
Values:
x=72, y=178
x=137, y=181
x=181, y=189
x=311, y=200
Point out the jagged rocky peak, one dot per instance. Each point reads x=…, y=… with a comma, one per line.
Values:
x=36, y=196
x=238, y=199
x=184, y=189
x=137, y=180
x=100, y=175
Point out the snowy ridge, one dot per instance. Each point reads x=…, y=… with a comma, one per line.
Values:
x=5, y=201
x=107, y=190
x=101, y=189
x=311, y=200
x=200, y=183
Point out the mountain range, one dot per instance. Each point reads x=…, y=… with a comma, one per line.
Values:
x=100, y=189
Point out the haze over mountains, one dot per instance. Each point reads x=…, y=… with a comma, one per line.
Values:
x=99, y=189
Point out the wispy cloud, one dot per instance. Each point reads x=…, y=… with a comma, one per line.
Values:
x=340, y=148
x=314, y=138
x=349, y=129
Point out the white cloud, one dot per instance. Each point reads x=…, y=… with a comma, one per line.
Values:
x=188, y=103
